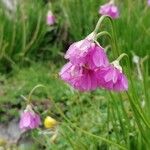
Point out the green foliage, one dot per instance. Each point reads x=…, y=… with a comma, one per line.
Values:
x=21, y=31
x=81, y=16
x=132, y=28
x=24, y=34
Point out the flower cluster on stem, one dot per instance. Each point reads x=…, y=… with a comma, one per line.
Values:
x=89, y=67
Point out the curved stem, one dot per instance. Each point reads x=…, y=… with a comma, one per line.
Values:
x=31, y=92
x=100, y=22
x=114, y=39
x=107, y=47
x=121, y=56
x=24, y=98
x=102, y=34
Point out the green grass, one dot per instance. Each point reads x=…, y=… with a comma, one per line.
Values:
x=86, y=119
x=132, y=28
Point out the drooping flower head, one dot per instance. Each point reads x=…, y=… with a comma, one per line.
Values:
x=29, y=119
x=79, y=77
x=112, y=78
x=109, y=9
x=50, y=18
x=85, y=57
x=87, y=53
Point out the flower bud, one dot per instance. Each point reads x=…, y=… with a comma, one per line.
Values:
x=29, y=119
x=50, y=18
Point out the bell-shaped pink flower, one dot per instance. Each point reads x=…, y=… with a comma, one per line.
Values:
x=29, y=119
x=109, y=9
x=81, y=78
x=50, y=18
x=112, y=78
x=87, y=53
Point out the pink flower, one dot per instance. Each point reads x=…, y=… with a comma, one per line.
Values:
x=89, y=68
x=112, y=78
x=109, y=9
x=50, y=18
x=81, y=78
x=87, y=53
x=29, y=119
x=148, y=2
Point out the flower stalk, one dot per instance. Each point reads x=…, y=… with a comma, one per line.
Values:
x=31, y=92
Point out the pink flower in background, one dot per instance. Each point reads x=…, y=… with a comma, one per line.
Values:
x=79, y=77
x=29, y=119
x=148, y=2
x=112, y=78
x=87, y=53
x=109, y=9
x=50, y=18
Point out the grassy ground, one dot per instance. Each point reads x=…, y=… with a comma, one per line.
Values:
x=92, y=117
x=77, y=106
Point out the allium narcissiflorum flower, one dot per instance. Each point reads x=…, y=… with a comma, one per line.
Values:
x=109, y=9
x=80, y=77
x=85, y=57
x=112, y=78
x=87, y=53
x=50, y=18
x=29, y=119
x=89, y=68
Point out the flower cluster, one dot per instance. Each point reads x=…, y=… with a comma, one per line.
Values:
x=109, y=9
x=89, y=68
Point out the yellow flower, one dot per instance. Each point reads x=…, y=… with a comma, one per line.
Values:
x=49, y=122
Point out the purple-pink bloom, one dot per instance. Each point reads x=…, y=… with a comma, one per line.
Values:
x=112, y=78
x=87, y=53
x=80, y=77
x=148, y=2
x=109, y=9
x=29, y=119
x=50, y=18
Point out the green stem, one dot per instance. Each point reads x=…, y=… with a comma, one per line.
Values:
x=141, y=114
x=101, y=138
x=121, y=56
x=13, y=40
x=114, y=41
x=34, y=38
x=102, y=34
x=23, y=28
x=31, y=92
x=100, y=22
